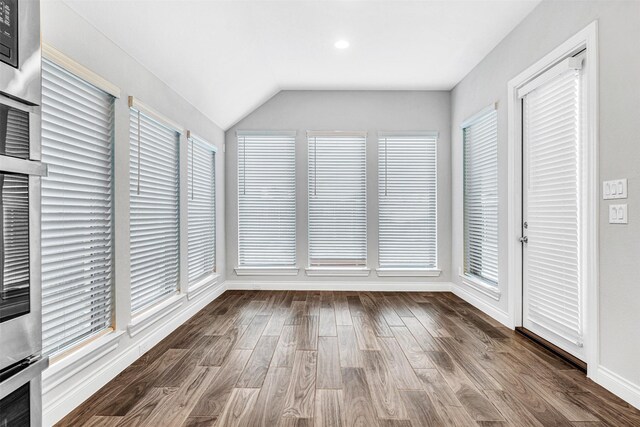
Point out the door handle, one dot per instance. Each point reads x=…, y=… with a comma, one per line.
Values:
x=524, y=239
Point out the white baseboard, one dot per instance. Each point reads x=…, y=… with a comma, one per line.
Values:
x=334, y=285
x=478, y=303
x=64, y=397
x=619, y=386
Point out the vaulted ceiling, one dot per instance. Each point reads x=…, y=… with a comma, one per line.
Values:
x=228, y=57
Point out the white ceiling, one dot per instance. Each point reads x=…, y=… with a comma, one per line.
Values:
x=228, y=57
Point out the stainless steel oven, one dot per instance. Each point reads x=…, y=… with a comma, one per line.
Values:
x=20, y=61
x=20, y=175
x=21, y=169
x=20, y=394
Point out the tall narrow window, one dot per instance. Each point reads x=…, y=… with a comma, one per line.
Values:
x=266, y=199
x=407, y=197
x=480, y=139
x=337, y=199
x=202, y=209
x=77, y=140
x=154, y=181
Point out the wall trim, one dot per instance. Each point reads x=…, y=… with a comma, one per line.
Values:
x=75, y=362
x=619, y=386
x=154, y=314
x=408, y=272
x=62, y=399
x=338, y=271
x=266, y=271
x=54, y=55
x=334, y=285
x=202, y=285
x=489, y=309
x=479, y=285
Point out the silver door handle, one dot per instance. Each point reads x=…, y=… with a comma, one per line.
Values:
x=524, y=239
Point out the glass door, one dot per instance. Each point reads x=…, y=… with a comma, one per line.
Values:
x=20, y=175
x=14, y=246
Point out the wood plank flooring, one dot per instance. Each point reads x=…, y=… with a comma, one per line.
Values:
x=266, y=358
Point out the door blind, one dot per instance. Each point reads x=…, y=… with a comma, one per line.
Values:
x=202, y=209
x=266, y=199
x=337, y=200
x=551, y=125
x=154, y=212
x=480, y=139
x=407, y=201
x=77, y=251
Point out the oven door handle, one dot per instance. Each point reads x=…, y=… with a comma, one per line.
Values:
x=22, y=377
x=4, y=99
x=27, y=167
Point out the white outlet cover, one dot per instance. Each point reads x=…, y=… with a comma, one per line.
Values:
x=614, y=189
x=618, y=214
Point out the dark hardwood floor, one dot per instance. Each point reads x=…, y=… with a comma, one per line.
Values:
x=263, y=358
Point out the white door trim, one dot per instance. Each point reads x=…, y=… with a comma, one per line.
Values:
x=586, y=38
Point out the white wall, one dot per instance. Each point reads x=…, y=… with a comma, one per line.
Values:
x=72, y=35
x=370, y=111
x=550, y=24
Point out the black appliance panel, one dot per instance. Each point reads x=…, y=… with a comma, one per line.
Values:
x=15, y=408
x=9, y=32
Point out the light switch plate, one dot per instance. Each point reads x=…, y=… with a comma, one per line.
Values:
x=614, y=189
x=618, y=214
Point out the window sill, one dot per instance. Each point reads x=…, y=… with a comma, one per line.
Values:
x=202, y=285
x=147, y=318
x=481, y=286
x=408, y=272
x=338, y=271
x=69, y=365
x=266, y=271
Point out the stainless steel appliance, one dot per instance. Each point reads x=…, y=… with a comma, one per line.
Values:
x=21, y=362
x=20, y=73
x=21, y=394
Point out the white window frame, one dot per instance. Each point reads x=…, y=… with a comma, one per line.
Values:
x=335, y=271
x=584, y=39
x=243, y=270
x=434, y=271
x=485, y=287
x=66, y=63
x=144, y=317
x=196, y=286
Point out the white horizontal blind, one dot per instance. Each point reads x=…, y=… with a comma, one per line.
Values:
x=480, y=139
x=337, y=200
x=407, y=201
x=154, y=184
x=266, y=199
x=202, y=209
x=77, y=228
x=552, y=128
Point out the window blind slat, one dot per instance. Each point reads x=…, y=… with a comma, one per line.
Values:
x=202, y=209
x=551, y=131
x=480, y=151
x=154, y=210
x=77, y=133
x=407, y=201
x=266, y=200
x=337, y=200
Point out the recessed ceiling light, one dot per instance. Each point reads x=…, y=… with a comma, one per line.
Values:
x=342, y=44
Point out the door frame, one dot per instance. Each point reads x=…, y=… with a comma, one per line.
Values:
x=586, y=38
